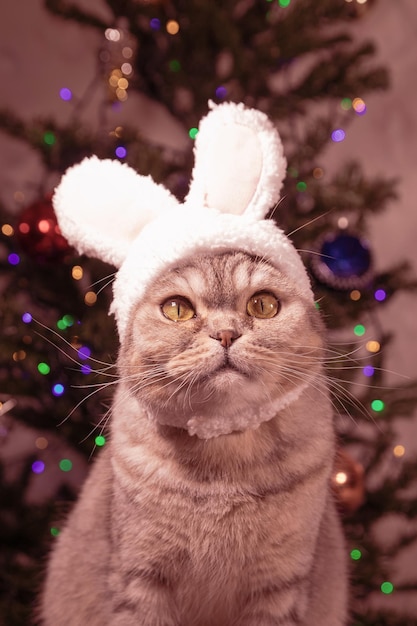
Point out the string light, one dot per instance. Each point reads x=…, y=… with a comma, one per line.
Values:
x=346, y=104
x=172, y=27
x=13, y=258
x=7, y=230
x=112, y=34
x=341, y=478
x=377, y=406
x=41, y=443
x=49, y=138
x=155, y=23
x=19, y=355
x=399, y=451
x=120, y=152
x=77, y=272
x=343, y=222
x=43, y=368
x=65, y=94
x=65, y=465
x=373, y=346
x=90, y=298
x=380, y=295
x=387, y=587
x=355, y=554
x=58, y=389
x=38, y=467
x=338, y=135
x=355, y=295
x=359, y=106
x=174, y=65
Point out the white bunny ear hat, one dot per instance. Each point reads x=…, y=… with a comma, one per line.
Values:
x=108, y=211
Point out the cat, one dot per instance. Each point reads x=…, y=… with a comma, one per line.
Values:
x=174, y=528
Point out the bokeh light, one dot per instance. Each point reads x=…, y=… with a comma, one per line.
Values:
x=58, y=389
x=65, y=94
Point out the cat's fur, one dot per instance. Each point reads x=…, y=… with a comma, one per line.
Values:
x=235, y=530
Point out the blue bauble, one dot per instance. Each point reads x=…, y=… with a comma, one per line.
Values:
x=344, y=261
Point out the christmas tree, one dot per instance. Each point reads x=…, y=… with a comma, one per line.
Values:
x=295, y=60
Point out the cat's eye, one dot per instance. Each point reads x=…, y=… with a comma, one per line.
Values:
x=177, y=309
x=263, y=305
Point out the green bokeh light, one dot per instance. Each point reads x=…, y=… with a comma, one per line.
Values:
x=43, y=368
x=193, y=132
x=387, y=587
x=61, y=324
x=55, y=531
x=100, y=440
x=68, y=320
x=49, y=138
x=301, y=186
x=346, y=104
x=359, y=330
x=65, y=465
x=377, y=405
x=174, y=65
x=355, y=555
x=284, y=3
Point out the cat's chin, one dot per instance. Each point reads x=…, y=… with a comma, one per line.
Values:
x=236, y=411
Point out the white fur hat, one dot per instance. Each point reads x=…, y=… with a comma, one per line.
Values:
x=106, y=210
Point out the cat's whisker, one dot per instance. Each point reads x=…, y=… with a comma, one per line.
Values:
x=109, y=278
x=306, y=224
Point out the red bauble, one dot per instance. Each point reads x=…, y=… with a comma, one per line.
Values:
x=39, y=235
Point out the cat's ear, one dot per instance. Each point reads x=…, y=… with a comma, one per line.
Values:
x=239, y=162
x=102, y=205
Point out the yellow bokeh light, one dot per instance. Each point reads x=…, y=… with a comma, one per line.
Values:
x=123, y=83
x=90, y=298
x=399, y=450
x=77, y=272
x=121, y=94
x=7, y=230
x=19, y=355
x=172, y=27
x=343, y=222
x=355, y=295
x=318, y=172
x=41, y=443
x=373, y=346
x=341, y=478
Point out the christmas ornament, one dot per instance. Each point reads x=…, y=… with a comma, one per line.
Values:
x=348, y=482
x=38, y=232
x=344, y=261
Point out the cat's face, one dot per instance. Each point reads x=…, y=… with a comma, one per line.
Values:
x=220, y=336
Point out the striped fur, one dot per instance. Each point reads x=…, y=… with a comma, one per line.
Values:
x=235, y=530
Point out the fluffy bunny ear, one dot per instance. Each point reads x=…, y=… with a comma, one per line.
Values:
x=101, y=207
x=239, y=163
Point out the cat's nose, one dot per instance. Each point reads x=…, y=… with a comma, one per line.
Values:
x=226, y=337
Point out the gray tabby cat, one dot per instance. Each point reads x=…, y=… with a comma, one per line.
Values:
x=238, y=529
